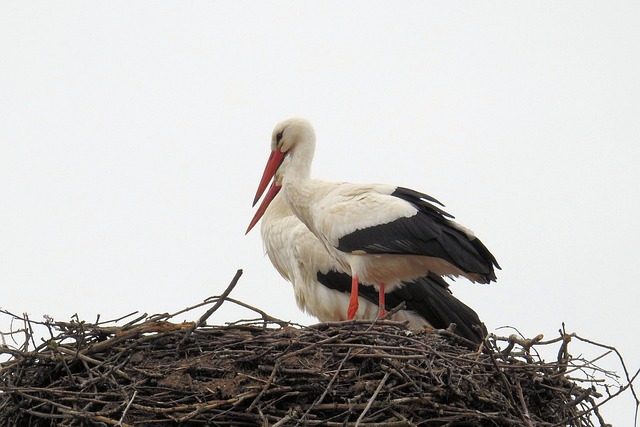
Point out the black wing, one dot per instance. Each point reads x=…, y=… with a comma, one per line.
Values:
x=429, y=297
x=430, y=232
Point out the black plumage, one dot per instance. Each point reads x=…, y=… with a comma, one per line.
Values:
x=428, y=296
x=430, y=232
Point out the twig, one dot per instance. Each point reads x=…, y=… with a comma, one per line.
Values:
x=264, y=389
x=526, y=417
x=624, y=367
x=265, y=317
x=203, y=319
x=327, y=388
x=563, y=353
x=91, y=360
x=116, y=320
x=373, y=398
x=124, y=413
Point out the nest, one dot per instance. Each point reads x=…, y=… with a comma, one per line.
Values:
x=151, y=371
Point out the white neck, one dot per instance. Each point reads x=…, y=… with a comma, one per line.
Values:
x=300, y=158
x=297, y=184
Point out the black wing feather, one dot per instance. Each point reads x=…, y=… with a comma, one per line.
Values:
x=430, y=233
x=428, y=296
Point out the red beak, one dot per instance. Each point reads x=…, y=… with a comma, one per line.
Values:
x=275, y=158
x=273, y=190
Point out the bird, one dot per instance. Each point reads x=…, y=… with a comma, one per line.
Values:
x=322, y=288
x=382, y=235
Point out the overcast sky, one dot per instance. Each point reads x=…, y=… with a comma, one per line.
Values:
x=133, y=135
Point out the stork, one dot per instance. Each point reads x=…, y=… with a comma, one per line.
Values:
x=383, y=235
x=321, y=287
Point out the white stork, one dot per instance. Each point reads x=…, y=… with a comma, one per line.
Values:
x=322, y=288
x=382, y=235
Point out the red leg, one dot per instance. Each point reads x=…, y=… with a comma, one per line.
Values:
x=381, y=300
x=353, y=301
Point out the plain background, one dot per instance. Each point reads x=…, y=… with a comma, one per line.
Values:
x=133, y=135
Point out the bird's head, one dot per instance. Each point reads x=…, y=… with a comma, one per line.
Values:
x=289, y=133
x=288, y=137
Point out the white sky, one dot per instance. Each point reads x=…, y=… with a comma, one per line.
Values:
x=133, y=135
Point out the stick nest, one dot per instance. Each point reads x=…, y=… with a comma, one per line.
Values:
x=151, y=371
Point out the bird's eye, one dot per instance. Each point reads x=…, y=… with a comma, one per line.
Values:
x=279, y=137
